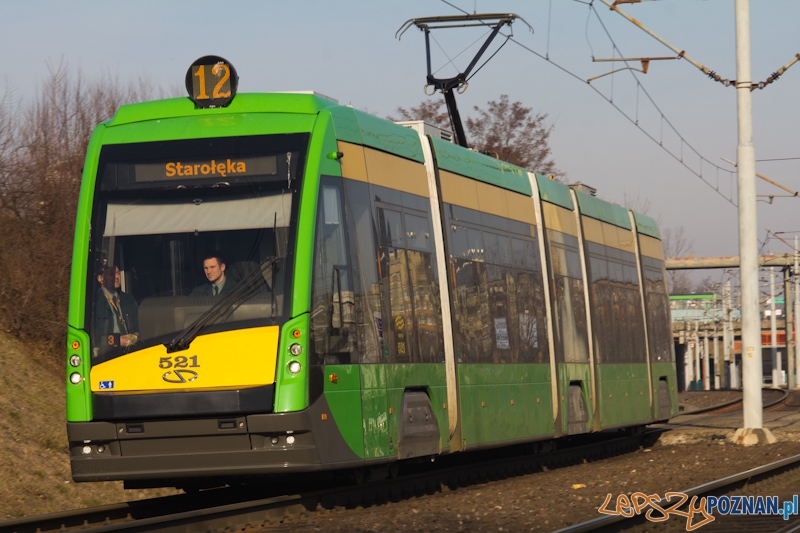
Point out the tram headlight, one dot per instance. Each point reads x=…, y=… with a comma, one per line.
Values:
x=87, y=450
x=294, y=367
x=75, y=360
x=75, y=378
x=295, y=349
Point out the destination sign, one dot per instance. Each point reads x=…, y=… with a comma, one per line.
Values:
x=219, y=168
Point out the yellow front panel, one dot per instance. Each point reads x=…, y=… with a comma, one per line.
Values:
x=559, y=219
x=396, y=172
x=650, y=247
x=239, y=358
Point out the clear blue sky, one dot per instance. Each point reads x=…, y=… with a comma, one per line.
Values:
x=348, y=50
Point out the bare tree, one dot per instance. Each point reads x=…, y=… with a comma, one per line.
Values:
x=42, y=150
x=512, y=132
x=677, y=244
x=507, y=131
x=432, y=111
x=707, y=285
x=636, y=203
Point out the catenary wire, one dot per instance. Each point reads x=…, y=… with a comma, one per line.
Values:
x=678, y=157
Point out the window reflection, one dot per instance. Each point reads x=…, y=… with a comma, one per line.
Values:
x=569, y=303
x=617, y=319
x=498, y=302
x=385, y=244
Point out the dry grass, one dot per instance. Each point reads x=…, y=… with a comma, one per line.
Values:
x=34, y=461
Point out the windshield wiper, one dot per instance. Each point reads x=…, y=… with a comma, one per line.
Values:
x=241, y=292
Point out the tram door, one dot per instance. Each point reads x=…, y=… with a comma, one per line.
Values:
x=570, y=333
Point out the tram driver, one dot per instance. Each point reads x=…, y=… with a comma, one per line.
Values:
x=218, y=283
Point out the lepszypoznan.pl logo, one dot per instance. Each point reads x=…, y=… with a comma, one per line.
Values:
x=700, y=510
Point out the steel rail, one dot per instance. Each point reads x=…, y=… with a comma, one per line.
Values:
x=729, y=481
x=712, y=408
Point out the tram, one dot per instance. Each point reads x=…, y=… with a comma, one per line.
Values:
x=386, y=295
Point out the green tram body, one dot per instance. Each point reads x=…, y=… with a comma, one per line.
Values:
x=368, y=223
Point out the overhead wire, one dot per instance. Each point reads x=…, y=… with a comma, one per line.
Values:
x=664, y=120
x=678, y=157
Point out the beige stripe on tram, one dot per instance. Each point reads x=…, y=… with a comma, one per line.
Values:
x=479, y=196
x=387, y=170
x=559, y=219
x=651, y=247
x=604, y=233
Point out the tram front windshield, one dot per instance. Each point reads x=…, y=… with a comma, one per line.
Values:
x=191, y=237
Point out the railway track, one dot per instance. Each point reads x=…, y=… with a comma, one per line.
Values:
x=778, y=479
x=780, y=398
x=254, y=507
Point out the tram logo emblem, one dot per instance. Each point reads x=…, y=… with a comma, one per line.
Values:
x=179, y=376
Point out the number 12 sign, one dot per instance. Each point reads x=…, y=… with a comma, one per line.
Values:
x=211, y=81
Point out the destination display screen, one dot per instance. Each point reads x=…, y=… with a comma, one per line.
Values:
x=210, y=162
x=221, y=168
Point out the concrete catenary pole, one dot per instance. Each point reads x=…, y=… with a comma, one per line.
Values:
x=727, y=377
x=773, y=327
x=788, y=325
x=688, y=357
x=748, y=226
x=706, y=362
x=719, y=363
x=698, y=375
x=796, y=310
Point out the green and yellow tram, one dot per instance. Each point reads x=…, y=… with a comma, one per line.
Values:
x=387, y=295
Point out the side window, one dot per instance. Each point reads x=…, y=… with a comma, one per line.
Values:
x=618, y=325
x=410, y=311
x=375, y=294
x=498, y=295
x=333, y=331
x=657, y=304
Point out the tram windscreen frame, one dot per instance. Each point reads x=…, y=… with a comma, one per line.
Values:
x=164, y=229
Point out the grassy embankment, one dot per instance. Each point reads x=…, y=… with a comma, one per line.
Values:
x=34, y=462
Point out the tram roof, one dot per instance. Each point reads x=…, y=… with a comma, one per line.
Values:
x=301, y=103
